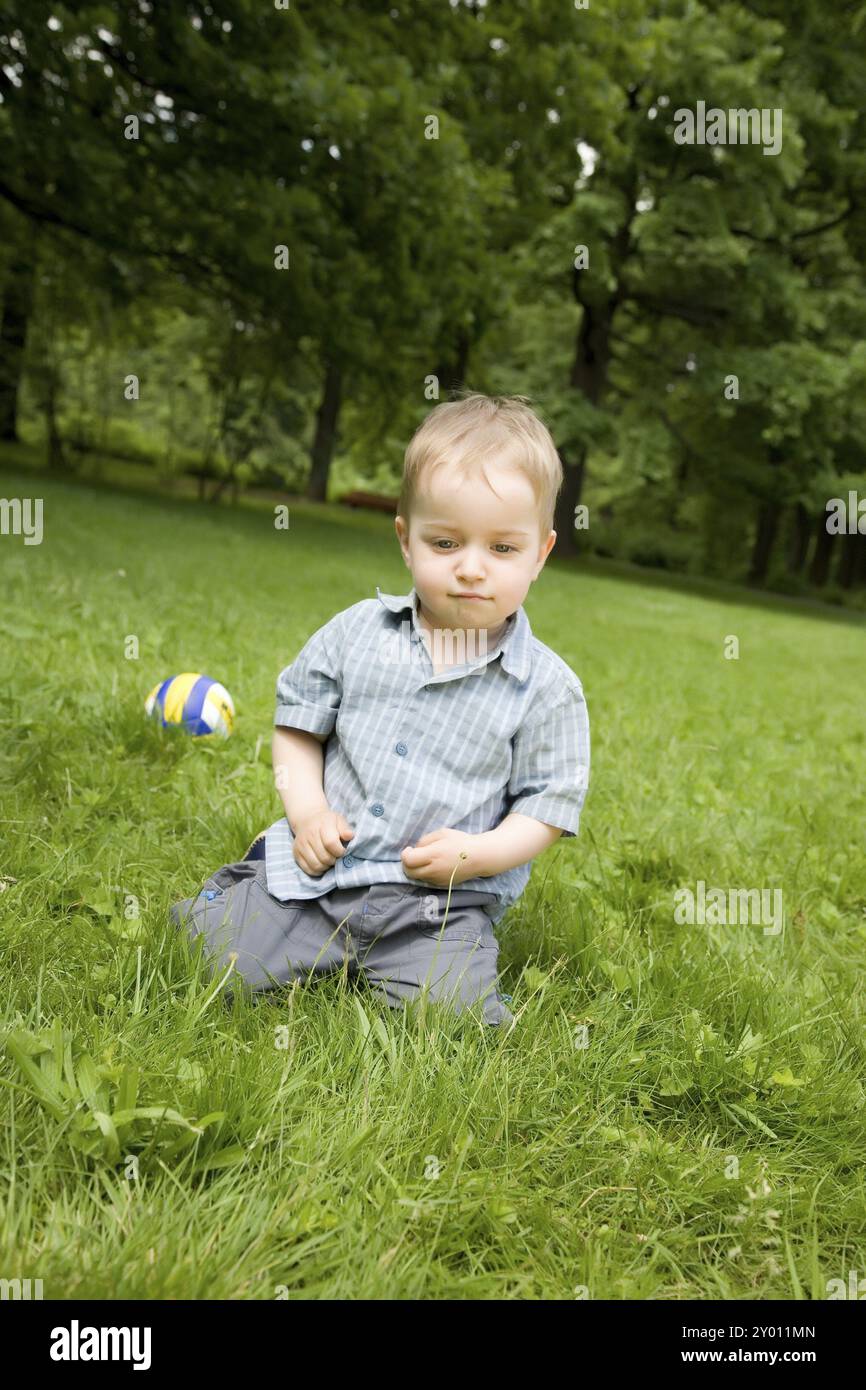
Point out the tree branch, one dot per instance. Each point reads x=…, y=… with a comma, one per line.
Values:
x=676, y=432
x=48, y=217
x=825, y=226
x=706, y=316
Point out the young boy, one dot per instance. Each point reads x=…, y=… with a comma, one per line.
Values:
x=427, y=747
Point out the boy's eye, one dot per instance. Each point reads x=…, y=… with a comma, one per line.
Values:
x=500, y=545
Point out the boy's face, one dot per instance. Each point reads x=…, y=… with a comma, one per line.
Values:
x=464, y=538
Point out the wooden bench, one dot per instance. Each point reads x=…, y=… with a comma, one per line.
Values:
x=375, y=501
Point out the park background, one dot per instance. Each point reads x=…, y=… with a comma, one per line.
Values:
x=678, y=1112
x=430, y=171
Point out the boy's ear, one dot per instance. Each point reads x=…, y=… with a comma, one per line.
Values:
x=402, y=534
x=545, y=550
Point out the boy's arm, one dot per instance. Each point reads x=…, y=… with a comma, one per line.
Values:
x=545, y=795
x=547, y=787
x=308, y=697
x=298, y=759
x=514, y=841
x=452, y=856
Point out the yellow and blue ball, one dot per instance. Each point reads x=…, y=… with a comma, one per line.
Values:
x=192, y=702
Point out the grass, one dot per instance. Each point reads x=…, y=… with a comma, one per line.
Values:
x=678, y=1111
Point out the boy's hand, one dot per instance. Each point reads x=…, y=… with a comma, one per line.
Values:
x=318, y=841
x=434, y=857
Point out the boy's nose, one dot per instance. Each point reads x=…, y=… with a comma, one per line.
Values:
x=470, y=571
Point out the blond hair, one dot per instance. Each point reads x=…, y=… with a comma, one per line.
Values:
x=475, y=429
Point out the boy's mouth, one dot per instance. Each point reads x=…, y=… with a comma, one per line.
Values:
x=478, y=596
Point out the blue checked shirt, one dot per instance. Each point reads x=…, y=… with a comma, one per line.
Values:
x=410, y=751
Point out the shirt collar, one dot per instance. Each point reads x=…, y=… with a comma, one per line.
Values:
x=515, y=646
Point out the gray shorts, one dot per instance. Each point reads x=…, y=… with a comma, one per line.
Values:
x=397, y=935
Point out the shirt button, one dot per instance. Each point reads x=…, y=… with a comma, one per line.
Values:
x=348, y=860
x=401, y=749
x=378, y=809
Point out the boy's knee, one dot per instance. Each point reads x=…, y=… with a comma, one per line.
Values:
x=496, y=1012
x=178, y=911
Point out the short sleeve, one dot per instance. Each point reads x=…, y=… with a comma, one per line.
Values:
x=309, y=690
x=550, y=764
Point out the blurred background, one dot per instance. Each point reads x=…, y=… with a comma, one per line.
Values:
x=246, y=246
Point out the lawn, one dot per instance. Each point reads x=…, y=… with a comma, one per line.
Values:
x=678, y=1112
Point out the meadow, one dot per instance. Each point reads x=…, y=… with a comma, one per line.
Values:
x=678, y=1110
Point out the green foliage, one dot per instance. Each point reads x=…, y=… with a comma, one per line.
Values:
x=450, y=257
x=96, y=1104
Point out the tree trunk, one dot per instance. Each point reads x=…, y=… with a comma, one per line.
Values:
x=57, y=461
x=17, y=301
x=451, y=372
x=219, y=488
x=820, y=566
x=848, y=560
x=589, y=376
x=769, y=516
x=568, y=499
x=326, y=434
x=800, y=537
x=594, y=348
x=765, y=539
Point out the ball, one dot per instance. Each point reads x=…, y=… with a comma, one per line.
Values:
x=192, y=702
